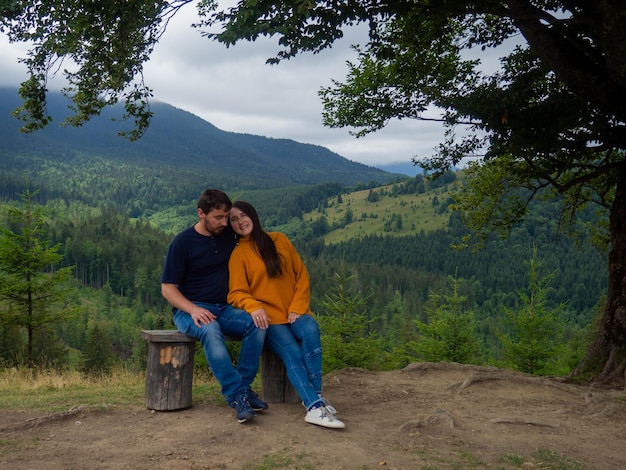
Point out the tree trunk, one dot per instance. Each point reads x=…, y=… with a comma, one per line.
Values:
x=605, y=361
x=31, y=360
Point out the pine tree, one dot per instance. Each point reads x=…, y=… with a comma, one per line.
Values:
x=533, y=333
x=450, y=334
x=97, y=353
x=34, y=292
x=346, y=341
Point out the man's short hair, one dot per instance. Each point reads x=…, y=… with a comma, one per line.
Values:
x=214, y=199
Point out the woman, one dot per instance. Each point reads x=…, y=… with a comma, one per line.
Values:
x=269, y=280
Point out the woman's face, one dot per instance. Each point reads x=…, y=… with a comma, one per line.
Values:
x=241, y=223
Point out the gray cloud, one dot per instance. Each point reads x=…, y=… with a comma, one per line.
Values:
x=236, y=91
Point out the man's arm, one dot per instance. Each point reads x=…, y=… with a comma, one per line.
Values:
x=200, y=315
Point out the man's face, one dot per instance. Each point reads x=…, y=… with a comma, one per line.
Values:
x=214, y=221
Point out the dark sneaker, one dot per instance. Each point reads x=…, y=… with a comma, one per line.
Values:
x=255, y=402
x=242, y=406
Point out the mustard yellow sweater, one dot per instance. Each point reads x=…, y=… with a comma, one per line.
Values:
x=250, y=288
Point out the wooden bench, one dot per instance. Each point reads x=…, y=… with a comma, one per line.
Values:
x=169, y=372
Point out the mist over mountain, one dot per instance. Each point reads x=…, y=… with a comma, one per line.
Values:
x=177, y=141
x=408, y=168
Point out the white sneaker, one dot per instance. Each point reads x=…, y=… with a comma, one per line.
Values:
x=328, y=406
x=325, y=403
x=323, y=417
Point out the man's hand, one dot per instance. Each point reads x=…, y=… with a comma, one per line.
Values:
x=201, y=316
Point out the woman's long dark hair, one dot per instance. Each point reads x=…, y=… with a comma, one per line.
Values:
x=262, y=242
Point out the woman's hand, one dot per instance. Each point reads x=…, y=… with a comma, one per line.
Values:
x=293, y=316
x=260, y=318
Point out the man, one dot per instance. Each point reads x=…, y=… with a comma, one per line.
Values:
x=195, y=282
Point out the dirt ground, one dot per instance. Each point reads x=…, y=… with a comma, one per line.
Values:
x=426, y=416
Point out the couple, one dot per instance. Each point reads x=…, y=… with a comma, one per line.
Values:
x=268, y=300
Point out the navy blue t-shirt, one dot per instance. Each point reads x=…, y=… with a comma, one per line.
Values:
x=198, y=265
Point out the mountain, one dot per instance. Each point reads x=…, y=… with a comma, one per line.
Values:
x=408, y=168
x=177, y=143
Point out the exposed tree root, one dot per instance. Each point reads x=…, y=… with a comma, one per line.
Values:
x=35, y=422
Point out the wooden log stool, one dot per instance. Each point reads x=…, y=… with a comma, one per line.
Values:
x=169, y=372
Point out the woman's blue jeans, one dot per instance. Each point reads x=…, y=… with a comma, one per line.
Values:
x=298, y=345
x=232, y=322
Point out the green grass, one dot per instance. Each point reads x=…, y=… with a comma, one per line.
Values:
x=373, y=218
x=51, y=391
x=551, y=460
x=22, y=389
x=542, y=459
x=286, y=458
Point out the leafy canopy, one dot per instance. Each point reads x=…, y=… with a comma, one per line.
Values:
x=554, y=111
x=99, y=46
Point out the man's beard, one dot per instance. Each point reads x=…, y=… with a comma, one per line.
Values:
x=215, y=230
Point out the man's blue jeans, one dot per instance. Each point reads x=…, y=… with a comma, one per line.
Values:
x=232, y=322
x=298, y=345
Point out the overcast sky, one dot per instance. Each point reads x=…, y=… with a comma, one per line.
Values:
x=236, y=91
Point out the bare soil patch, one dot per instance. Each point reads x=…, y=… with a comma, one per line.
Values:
x=427, y=415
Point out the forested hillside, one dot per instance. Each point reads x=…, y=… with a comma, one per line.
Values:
x=385, y=255
x=117, y=263
x=178, y=157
